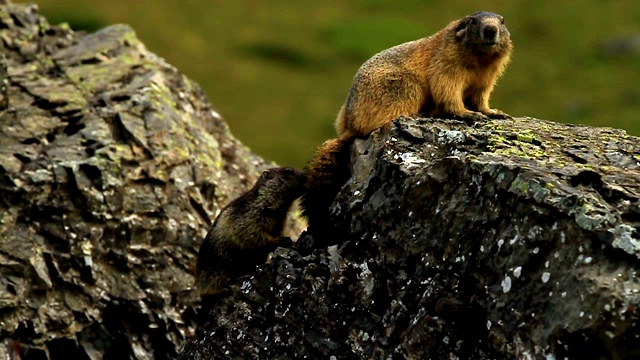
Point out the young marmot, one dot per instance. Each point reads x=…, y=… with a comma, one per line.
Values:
x=450, y=73
x=247, y=230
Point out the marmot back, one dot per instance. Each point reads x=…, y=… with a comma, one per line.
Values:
x=247, y=230
x=450, y=73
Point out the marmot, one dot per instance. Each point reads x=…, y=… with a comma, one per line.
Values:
x=326, y=172
x=450, y=73
x=247, y=230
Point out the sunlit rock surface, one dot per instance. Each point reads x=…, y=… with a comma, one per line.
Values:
x=112, y=166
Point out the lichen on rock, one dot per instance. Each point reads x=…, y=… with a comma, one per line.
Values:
x=112, y=167
x=505, y=239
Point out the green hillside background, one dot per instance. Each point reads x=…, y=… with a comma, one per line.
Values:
x=279, y=70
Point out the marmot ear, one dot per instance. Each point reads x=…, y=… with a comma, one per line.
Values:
x=461, y=29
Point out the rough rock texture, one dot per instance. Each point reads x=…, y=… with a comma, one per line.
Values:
x=112, y=165
x=512, y=239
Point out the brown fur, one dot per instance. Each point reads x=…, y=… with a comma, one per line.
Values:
x=450, y=73
x=247, y=230
x=326, y=172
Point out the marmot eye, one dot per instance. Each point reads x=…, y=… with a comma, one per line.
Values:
x=473, y=21
x=267, y=174
x=501, y=20
x=287, y=171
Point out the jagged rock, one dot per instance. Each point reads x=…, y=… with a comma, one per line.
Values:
x=503, y=240
x=112, y=166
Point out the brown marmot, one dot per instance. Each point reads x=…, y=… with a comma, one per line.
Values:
x=247, y=230
x=450, y=73
x=326, y=172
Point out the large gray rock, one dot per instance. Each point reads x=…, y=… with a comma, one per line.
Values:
x=112, y=167
x=507, y=239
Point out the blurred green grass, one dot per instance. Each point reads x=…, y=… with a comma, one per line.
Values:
x=278, y=71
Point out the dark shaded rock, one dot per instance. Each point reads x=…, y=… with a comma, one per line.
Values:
x=509, y=239
x=112, y=165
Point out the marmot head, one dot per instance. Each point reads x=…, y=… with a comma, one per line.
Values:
x=484, y=32
x=280, y=186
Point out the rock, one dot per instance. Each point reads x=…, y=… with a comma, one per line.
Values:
x=112, y=167
x=507, y=239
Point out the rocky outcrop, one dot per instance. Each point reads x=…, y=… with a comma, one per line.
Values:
x=112, y=167
x=507, y=239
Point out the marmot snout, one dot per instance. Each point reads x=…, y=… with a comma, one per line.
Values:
x=248, y=229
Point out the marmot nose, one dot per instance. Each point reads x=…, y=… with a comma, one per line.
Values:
x=489, y=32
